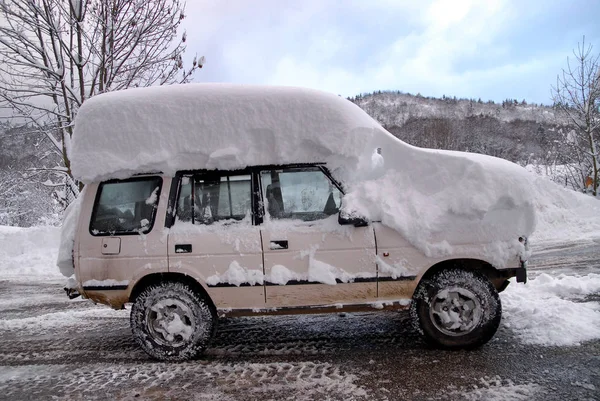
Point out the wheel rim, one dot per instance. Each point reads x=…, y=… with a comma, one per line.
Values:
x=170, y=322
x=455, y=311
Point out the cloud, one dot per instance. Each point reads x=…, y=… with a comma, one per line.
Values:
x=446, y=33
x=466, y=48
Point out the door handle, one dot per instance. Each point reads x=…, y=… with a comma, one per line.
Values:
x=275, y=245
x=183, y=248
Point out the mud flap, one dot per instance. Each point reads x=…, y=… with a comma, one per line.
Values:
x=522, y=273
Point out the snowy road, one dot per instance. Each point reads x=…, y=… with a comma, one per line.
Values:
x=55, y=348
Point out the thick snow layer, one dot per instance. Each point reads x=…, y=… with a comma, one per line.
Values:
x=436, y=199
x=552, y=310
x=29, y=252
x=67, y=237
x=213, y=126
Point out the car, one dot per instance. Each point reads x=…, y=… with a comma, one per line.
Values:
x=210, y=200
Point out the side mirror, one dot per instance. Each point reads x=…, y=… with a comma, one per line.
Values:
x=357, y=221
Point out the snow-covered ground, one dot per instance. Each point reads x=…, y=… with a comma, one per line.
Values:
x=554, y=310
x=56, y=347
x=558, y=310
x=564, y=215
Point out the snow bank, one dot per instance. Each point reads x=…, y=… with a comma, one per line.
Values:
x=552, y=310
x=29, y=252
x=564, y=215
x=436, y=199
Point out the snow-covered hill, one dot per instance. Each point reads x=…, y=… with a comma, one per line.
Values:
x=520, y=132
x=394, y=108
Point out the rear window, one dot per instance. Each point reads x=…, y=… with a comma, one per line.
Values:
x=126, y=206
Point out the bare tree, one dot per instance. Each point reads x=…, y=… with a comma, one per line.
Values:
x=55, y=54
x=577, y=94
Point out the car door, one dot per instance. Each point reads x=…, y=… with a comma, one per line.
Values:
x=398, y=263
x=213, y=238
x=122, y=239
x=309, y=258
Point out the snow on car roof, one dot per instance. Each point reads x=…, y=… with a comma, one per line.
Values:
x=438, y=200
x=210, y=126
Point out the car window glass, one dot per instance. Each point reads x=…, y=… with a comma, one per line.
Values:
x=184, y=203
x=305, y=194
x=206, y=199
x=125, y=206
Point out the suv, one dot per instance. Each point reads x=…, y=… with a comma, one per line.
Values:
x=187, y=247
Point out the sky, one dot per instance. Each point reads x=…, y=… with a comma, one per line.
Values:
x=488, y=49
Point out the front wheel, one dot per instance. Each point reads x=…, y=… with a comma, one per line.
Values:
x=457, y=309
x=172, y=322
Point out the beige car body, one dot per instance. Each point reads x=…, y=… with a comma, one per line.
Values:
x=112, y=269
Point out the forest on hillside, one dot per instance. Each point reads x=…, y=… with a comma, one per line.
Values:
x=27, y=197
x=514, y=130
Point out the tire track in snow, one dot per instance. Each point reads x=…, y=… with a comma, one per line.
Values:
x=100, y=334
x=307, y=380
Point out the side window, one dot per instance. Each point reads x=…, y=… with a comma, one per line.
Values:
x=306, y=194
x=184, y=203
x=205, y=199
x=126, y=207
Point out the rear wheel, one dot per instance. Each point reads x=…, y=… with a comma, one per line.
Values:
x=170, y=321
x=457, y=309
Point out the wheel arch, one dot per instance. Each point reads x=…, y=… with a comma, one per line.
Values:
x=498, y=279
x=157, y=278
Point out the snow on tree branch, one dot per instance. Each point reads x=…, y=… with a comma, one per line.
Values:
x=54, y=54
x=577, y=94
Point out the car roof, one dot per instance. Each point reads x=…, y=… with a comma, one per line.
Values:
x=209, y=126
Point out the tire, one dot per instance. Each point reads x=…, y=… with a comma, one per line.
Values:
x=457, y=309
x=172, y=322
